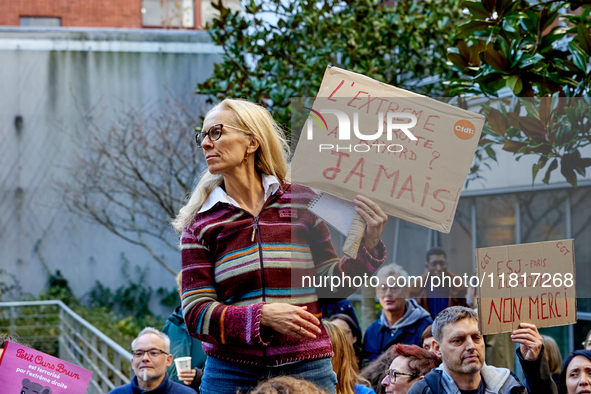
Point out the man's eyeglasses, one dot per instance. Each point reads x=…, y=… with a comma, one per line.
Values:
x=214, y=133
x=392, y=375
x=382, y=290
x=153, y=353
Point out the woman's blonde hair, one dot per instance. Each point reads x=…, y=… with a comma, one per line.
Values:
x=553, y=354
x=344, y=363
x=270, y=158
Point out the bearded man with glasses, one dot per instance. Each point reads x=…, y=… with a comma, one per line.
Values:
x=151, y=357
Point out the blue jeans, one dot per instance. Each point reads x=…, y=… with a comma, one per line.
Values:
x=224, y=377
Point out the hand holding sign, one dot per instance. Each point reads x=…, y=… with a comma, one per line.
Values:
x=529, y=340
x=374, y=217
x=367, y=213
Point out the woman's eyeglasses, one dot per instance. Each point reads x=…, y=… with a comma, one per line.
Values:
x=153, y=353
x=392, y=375
x=214, y=133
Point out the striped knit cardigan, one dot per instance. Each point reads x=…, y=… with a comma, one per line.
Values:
x=234, y=263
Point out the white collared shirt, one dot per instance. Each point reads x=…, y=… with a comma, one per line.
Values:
x=270, y=186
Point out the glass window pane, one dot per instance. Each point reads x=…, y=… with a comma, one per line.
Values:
x=168, y=13
x=40, y=21
x=495, y=220
x=458, y=243
x=542, y=215
x=412, y=247
x=581, y=232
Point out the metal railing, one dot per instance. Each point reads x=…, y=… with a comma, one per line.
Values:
x=53, y=328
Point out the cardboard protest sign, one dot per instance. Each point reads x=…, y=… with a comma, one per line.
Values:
x=23, y=369
x=408, y=153
x=532, y=283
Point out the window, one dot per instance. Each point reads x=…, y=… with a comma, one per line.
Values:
x=495, y=220
x=40, y=21
x=412, y=247
x=168, y=13
x=581, y=232
x=542, y=215
x=458, y=243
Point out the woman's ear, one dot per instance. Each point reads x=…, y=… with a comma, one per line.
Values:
x=253, y=145
x=421, y=377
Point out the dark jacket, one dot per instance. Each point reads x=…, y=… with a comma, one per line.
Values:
x=166, y=387
x=497, y=380
x=408, y=330
x=183, y=345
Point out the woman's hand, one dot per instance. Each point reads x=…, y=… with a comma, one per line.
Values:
x=290, y=320
x=375, y=219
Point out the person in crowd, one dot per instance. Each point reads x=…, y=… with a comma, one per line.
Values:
x=286, y=385
x=402, y=320
x=428, y=342
x=463, y=369
x=344, y=363
x=575, y=377
x=587, y=341
x=374, y=371
x=410, y=365
x=151, y=357
x=554, y=358
x=437, y=299
x=343, y=307
x=353, y=333
x=247, y=238
x=184, y=345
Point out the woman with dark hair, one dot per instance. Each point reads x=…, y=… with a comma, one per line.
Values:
x=374, y=371
x=352, y=330
x=575, y=377
x=247, y=241
x=411, y=363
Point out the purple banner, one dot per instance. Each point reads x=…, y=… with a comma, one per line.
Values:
x=23, y=369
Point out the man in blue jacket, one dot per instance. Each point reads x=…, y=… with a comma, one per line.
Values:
x=151, y=356
x=402, y=320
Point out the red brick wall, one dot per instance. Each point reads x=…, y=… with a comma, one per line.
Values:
x=75, y=13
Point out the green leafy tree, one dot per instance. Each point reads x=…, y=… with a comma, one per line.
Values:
x=536, y=49
x=270, y=62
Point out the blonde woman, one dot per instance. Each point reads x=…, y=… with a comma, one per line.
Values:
x=344, y=362
x=554, y=358
x=247, y=239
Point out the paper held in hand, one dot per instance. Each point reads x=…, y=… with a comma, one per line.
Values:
x=357, y=140
x=532, y=283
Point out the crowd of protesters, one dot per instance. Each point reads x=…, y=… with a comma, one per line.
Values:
x=246, y=231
